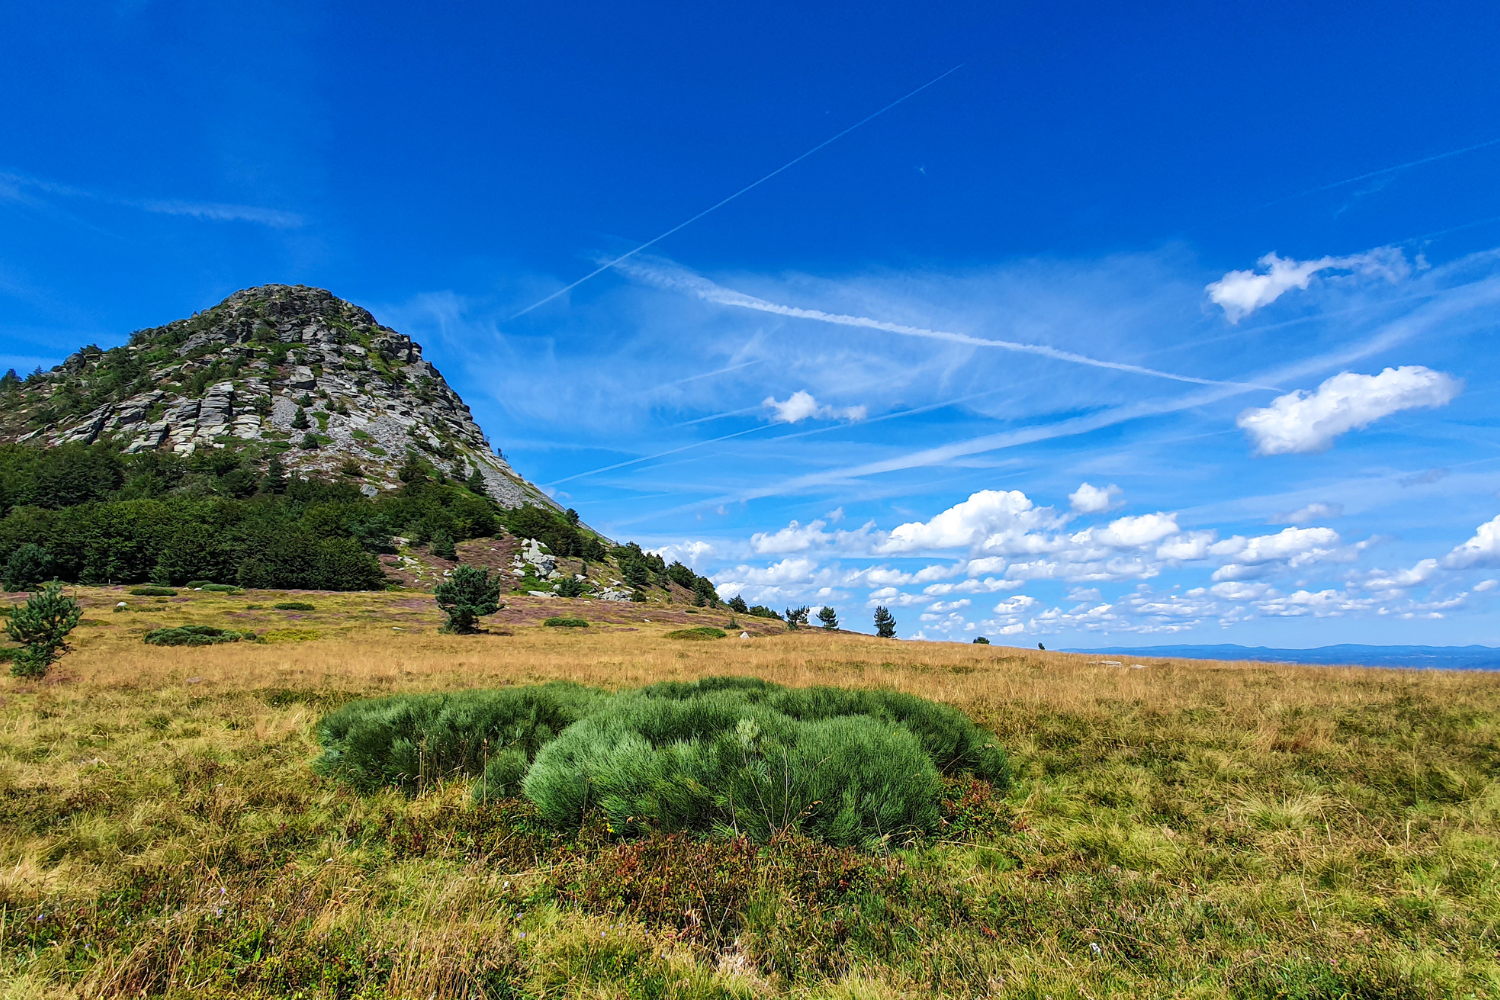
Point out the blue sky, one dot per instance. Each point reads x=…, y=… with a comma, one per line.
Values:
x=1138, y=326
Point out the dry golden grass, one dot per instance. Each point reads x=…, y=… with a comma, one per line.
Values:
x=1184, y=829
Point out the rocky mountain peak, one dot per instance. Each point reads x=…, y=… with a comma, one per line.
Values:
x=294, y=369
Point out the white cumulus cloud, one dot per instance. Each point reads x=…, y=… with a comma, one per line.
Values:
x=1308, y=422
x=1240, y=293
x=991, y=519
x=1137, y=531
x=1481, y=550
x=1402, y=578
x=801, y=405
x=1094, y=499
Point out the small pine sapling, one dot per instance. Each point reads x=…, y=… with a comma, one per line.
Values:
x=275, y=478
x=442, y=545
x=829, y=617
x=300, y=421
x=796, y=617
x=42, y=626
x=465, y=597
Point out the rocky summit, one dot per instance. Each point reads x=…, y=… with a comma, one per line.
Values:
x=295, y=368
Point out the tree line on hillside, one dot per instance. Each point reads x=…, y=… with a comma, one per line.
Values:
x=90, y=514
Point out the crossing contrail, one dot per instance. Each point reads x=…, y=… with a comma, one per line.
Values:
x=1353, y=180
x=711, y=292
x=748, y=187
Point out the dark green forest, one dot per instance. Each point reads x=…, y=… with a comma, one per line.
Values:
x=235, y=516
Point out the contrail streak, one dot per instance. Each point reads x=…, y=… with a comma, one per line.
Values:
x=749, y=187
x=660, y=454
x=1438, y=314
x=710, y=292
x=1354, y=180
x=1472, y=299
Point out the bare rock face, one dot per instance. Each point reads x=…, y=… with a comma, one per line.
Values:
x=294, y=368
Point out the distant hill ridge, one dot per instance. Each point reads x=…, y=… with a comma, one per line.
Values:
x=1436, y=657
x=296, y=368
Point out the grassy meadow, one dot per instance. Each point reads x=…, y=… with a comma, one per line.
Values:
x=1175, y=829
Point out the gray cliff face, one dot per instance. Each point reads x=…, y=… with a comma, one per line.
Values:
x=244, y=369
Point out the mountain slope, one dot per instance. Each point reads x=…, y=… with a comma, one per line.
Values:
x=296, y=369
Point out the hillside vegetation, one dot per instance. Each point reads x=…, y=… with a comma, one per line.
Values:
x=233, y=515
x=1180, y=830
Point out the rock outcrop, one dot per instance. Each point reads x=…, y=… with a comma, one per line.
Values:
x=294, y=368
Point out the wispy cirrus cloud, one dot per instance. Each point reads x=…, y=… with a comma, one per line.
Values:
x=25, y=189
x=699, y=286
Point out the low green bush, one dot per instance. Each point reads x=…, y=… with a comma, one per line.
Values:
x=294, y=606
x=728, y=755
x=153, y=592
x=559, y=622
x=408, y=741
x=194, y=635
x=698, y=632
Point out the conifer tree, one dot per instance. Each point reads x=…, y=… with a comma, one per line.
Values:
x=829, y=617
x=466, y=596
x=42, y=626
x=300, y=421
x=275, y=479
x=885, y=623
x=28, y=565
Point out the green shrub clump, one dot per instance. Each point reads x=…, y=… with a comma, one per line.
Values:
x=559, y=622
x=408, y=741
x=726, y=755
x=218, y=588
x=153, y=592
x=194, y=635
x=294, y=606
x=698, y=632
